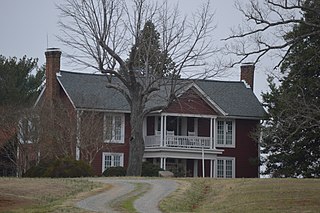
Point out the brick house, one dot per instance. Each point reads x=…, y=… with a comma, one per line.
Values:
x=204, y=132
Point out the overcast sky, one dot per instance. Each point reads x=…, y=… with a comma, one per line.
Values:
x=29, y=27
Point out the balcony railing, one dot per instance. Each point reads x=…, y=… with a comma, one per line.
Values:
x=178, y=141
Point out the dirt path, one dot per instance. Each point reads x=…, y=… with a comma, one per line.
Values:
x=147, y=203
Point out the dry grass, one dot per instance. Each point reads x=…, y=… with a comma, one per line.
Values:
x=193, y=195
x=41, y=194
x=246, y=195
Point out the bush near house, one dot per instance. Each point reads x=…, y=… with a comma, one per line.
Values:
x=61, y=168
x=114, y=172
x=150, y=170
x=37, y=171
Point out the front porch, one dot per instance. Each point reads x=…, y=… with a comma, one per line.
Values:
x=190, y=144
x=178, y=141
x=180, y=131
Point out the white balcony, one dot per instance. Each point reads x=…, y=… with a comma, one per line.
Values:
x=192, y=142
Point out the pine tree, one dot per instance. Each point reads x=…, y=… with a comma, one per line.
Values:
x=146, y=55
x=18, y=86
x=291, y=138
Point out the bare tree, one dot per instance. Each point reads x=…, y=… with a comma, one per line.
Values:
x=21, y=147
x=56, y=127
x=267, y=22
x=91, y=135
x=101, y=34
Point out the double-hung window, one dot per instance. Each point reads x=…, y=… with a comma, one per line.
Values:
x=225, y=168
x=225, y=133
x=27, y=130
x=114, y=128
x=110, y=159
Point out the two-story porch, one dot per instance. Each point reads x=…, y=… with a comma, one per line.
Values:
x=185, y=143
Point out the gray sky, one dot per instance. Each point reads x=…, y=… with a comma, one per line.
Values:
x=29, y=27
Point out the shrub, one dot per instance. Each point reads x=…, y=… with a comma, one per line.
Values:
x=61, y=168
x=150, y=170
x=114, y=172
x=37, y=170
x=68, y=167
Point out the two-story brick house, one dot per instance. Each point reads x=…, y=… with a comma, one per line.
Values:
x=206, y=131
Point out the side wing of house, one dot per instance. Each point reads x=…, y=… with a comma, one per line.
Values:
x=197, y=136
x=102, y=120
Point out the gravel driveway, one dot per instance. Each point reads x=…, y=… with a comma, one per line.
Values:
x=147, y=203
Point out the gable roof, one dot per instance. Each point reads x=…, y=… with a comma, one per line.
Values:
x=89, y=91
x=234, y=97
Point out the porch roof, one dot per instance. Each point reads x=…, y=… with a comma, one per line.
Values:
x=88, y=91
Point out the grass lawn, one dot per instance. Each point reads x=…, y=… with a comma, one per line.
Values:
x=42, y=194
x=245, y=195
x=193, y=195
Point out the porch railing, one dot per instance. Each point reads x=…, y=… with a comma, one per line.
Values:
x=178, y=141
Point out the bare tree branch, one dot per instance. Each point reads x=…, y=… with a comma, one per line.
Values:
x=267, y=23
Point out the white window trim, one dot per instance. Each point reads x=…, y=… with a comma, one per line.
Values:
x=113, y=128
x=29, y=128
x=225, y=165
x=112, y=162
x=233, y=145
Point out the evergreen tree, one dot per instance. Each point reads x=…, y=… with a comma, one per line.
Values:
x=146, y=55
x=20, y=83
x=291, y=138
x=18, y=86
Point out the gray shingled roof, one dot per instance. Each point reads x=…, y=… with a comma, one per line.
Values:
x=89, y=91
x=233, y=97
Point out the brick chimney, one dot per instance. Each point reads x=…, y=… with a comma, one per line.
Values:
x=247, y=73
x=52, y=68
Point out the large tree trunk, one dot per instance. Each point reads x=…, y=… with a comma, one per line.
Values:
x=136, y=139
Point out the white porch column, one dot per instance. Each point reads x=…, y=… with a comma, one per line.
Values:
x=211, y=169
x=203, y=167
x=161, y=131
x=165, y=131
x=78, y=136
x=215, y=133
x=161, y=163
x=215, y=168
x=211, y=134
x=164, y=163
x=144, y=127
x=195, y=168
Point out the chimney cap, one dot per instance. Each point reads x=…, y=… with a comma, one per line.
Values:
x=53, y=49
x=247, y=64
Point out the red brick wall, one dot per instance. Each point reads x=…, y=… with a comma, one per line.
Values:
x=190, y=103
x=246, y=151
x=204, y=127
x=206, y=168
x=150, y=125
x=113, y=147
